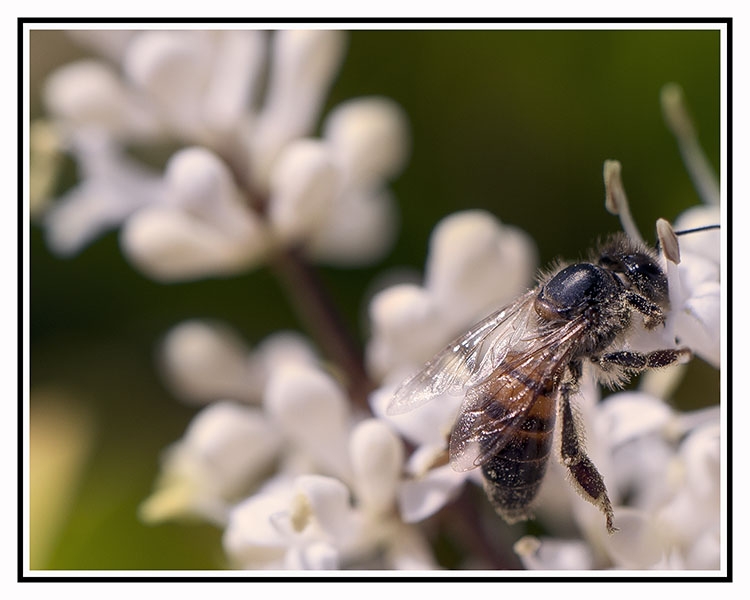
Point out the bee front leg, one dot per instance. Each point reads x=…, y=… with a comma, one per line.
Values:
x=583, y=474
x=653, y=315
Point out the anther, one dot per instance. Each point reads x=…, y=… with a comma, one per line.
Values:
x=616, y=201
x=668, y=241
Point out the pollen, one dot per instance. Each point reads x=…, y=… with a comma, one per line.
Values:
x=301, y=513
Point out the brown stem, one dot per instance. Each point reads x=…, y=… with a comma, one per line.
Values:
x=320, y=315
x=464, y=518
x=313, y=305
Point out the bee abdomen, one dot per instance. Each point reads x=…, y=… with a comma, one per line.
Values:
x=512, y=478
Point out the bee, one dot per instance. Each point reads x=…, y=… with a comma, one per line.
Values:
x=520, y=367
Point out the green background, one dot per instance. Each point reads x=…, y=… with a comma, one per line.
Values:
x=515, y=122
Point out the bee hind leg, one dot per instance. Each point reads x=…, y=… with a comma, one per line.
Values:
x=583, y=473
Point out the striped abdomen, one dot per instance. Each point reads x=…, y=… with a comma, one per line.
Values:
x=513, y=476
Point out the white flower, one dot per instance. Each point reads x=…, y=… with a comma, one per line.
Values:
x=697, y=310
x=323, y=482
x=300, y=525
x=89, y=96
x=113, y=187
x=318, y=522
x=199, y=83
x=224, y=452
x=377, y=456
x=369, y=144
x=313, y=412
x=199, y=226
x=250, y=180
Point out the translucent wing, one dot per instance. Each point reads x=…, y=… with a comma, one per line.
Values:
x=494, y=409
x=467, y=358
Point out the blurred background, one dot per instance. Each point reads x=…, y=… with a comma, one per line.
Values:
x=516, y=122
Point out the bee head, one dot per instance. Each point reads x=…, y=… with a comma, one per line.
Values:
x=640, y=270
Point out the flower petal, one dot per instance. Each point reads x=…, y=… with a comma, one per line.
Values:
x=250, y=539
x=704, y=243
x=329, y=502
x=170, y=245
x=476, y=265
x=627, y=415
x=698, y=323
x=423, y=497
x=637, y=544
x=359, y=229
x=237, y=65
x=427, y=425
x=550, y=554
x=200, y=183
x=113, y=187
x=224, y=450
x=377, y=456
x=206, y=361
x=369, y=137
x=406, y=328
x=319, y=556
x=88, y=94
x=303, y=65
x=312, y=410
x=303, y=185
x=172, y=68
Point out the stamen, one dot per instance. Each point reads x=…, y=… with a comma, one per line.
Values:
x=668, y=241
x=616, y=201
x=696, y=162
x=670, y=249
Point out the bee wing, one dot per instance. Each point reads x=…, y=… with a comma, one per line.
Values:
x=494, y=408
x=466, y=357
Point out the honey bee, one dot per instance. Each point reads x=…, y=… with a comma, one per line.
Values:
x=520, y=367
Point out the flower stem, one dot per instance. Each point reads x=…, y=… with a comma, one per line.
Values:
x=307, y=294
x=322, y=318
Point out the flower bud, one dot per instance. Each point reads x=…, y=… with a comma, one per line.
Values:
x=476, y=264
x=303, y=64
x=369, y=137
x=206, y=361
x=303, y=185
x=377, y=457
x=312, y=410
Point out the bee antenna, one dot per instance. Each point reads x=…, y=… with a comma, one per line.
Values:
x=697, y=229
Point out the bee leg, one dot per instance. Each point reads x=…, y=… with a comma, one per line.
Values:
x=637, y=361
x=584, y=475
x=652, y=313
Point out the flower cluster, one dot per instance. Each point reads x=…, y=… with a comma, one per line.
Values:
x=295, y=472
x=249, y=177
x=292, y=441
x=297, y=478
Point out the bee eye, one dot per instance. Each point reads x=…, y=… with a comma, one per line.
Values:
x=647, y=268
x=646, y=276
